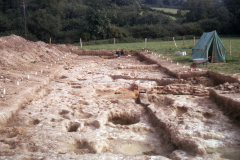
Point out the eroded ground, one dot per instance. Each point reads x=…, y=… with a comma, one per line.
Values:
x=93, y=110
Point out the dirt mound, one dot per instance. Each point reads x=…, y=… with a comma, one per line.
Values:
x=20, y=53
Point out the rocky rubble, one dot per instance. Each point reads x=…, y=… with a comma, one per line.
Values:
x=228, y=88
x=182, y=89
x=201, y=80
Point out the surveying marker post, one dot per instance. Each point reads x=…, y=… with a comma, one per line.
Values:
x=24, y=6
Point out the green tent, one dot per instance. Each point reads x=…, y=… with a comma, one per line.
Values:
x=209, y=45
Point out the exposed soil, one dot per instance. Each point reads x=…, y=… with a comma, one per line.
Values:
x=93, y=107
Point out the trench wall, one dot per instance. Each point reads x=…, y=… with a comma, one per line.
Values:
x=218, y=78
x=230, y=106
x=103, y=53
x=170, y=133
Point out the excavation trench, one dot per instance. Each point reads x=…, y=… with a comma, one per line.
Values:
x=124, y=107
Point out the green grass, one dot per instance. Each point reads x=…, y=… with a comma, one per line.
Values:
x=3, y=68
x=170, y=10
x=167, y=48
x=174, y=18
x=33, y=62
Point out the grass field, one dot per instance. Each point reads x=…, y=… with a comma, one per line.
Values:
x=170, y=10
x=174, y=18
x=167, y=48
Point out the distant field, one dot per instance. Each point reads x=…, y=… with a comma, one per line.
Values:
x=174, y=18
x=174, y=11
x=167, y=48
x=168, y=10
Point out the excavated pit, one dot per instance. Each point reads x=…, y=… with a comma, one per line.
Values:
x=123, y=119
x=94, y=110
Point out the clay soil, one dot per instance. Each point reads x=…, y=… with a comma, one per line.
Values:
x=59, y=104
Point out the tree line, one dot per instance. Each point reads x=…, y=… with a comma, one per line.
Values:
x=65, y=21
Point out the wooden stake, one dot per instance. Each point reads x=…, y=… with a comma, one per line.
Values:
x=213, y=49
x=50, y=41
x=193, y=41
x=145, y=43
x=174, y=42
x=230, y=47
x=113, y=43
x=184, y=41
x=81, y=42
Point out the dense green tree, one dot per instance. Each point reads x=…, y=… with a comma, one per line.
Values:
x=177, y=2
x=149, y=31
x=154, y=2
x=5, y=23
x=198, y=9
x=98, y=4
x=125, y=18
x=233, y=6
x=117, y=32
x=194, y=29
x=167, y=2
x=222, y=14
x=153, y=18
x=69, y=20
x=51, y=6
x=43, y=24
x=98, y=23
x=124, y=2
x=209, y=25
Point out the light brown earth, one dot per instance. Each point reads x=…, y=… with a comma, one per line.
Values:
x=91, y=107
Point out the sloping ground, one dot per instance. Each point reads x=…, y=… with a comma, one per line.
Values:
x=18, y=52
x=21, y=59
x=93, y=107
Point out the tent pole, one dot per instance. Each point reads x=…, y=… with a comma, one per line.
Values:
x=213, y=49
